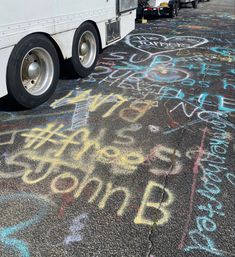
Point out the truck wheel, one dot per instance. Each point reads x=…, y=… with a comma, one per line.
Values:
x=32, y=71
x=177, y=8
x=173, y=11
x=85, y=49
x=195, y=3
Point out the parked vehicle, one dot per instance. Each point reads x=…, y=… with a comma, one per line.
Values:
x=155, y=8
x=35, y=37
x=193, y=2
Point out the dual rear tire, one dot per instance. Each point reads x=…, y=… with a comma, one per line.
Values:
x=34, y=67
x=174, y=10
x=195, y=4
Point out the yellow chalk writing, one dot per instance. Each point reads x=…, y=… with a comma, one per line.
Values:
x=85, y=182
x=110, y=191
x=160, y=206
x=135, y=111
x=63, y=176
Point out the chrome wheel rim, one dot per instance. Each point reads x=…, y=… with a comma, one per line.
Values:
x=87, y=49
x=37, y=71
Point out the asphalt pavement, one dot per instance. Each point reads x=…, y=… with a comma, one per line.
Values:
x=138, y=159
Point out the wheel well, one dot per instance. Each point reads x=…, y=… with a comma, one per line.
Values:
x=57, y=48
x=95, y=25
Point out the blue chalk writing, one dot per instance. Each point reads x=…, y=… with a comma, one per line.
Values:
x=227, y=52
x=202, y=243
x=17, y=245
x=231, y=178
x=201, y=236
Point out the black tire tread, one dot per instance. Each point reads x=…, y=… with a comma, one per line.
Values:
x=15, y=88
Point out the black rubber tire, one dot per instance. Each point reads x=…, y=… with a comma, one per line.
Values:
x=195, y=3
x=173, y=11
x=177, y=8
x=15, y=87
x=78, y=67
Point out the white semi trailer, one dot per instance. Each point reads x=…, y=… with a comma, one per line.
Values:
x=36, y=36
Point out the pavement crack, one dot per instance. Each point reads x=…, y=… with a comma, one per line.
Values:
x=154, y=227
x=151, y=243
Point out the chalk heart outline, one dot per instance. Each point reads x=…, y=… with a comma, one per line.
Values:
x=201, y=41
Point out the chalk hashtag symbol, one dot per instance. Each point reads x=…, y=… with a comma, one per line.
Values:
x=40, y=136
